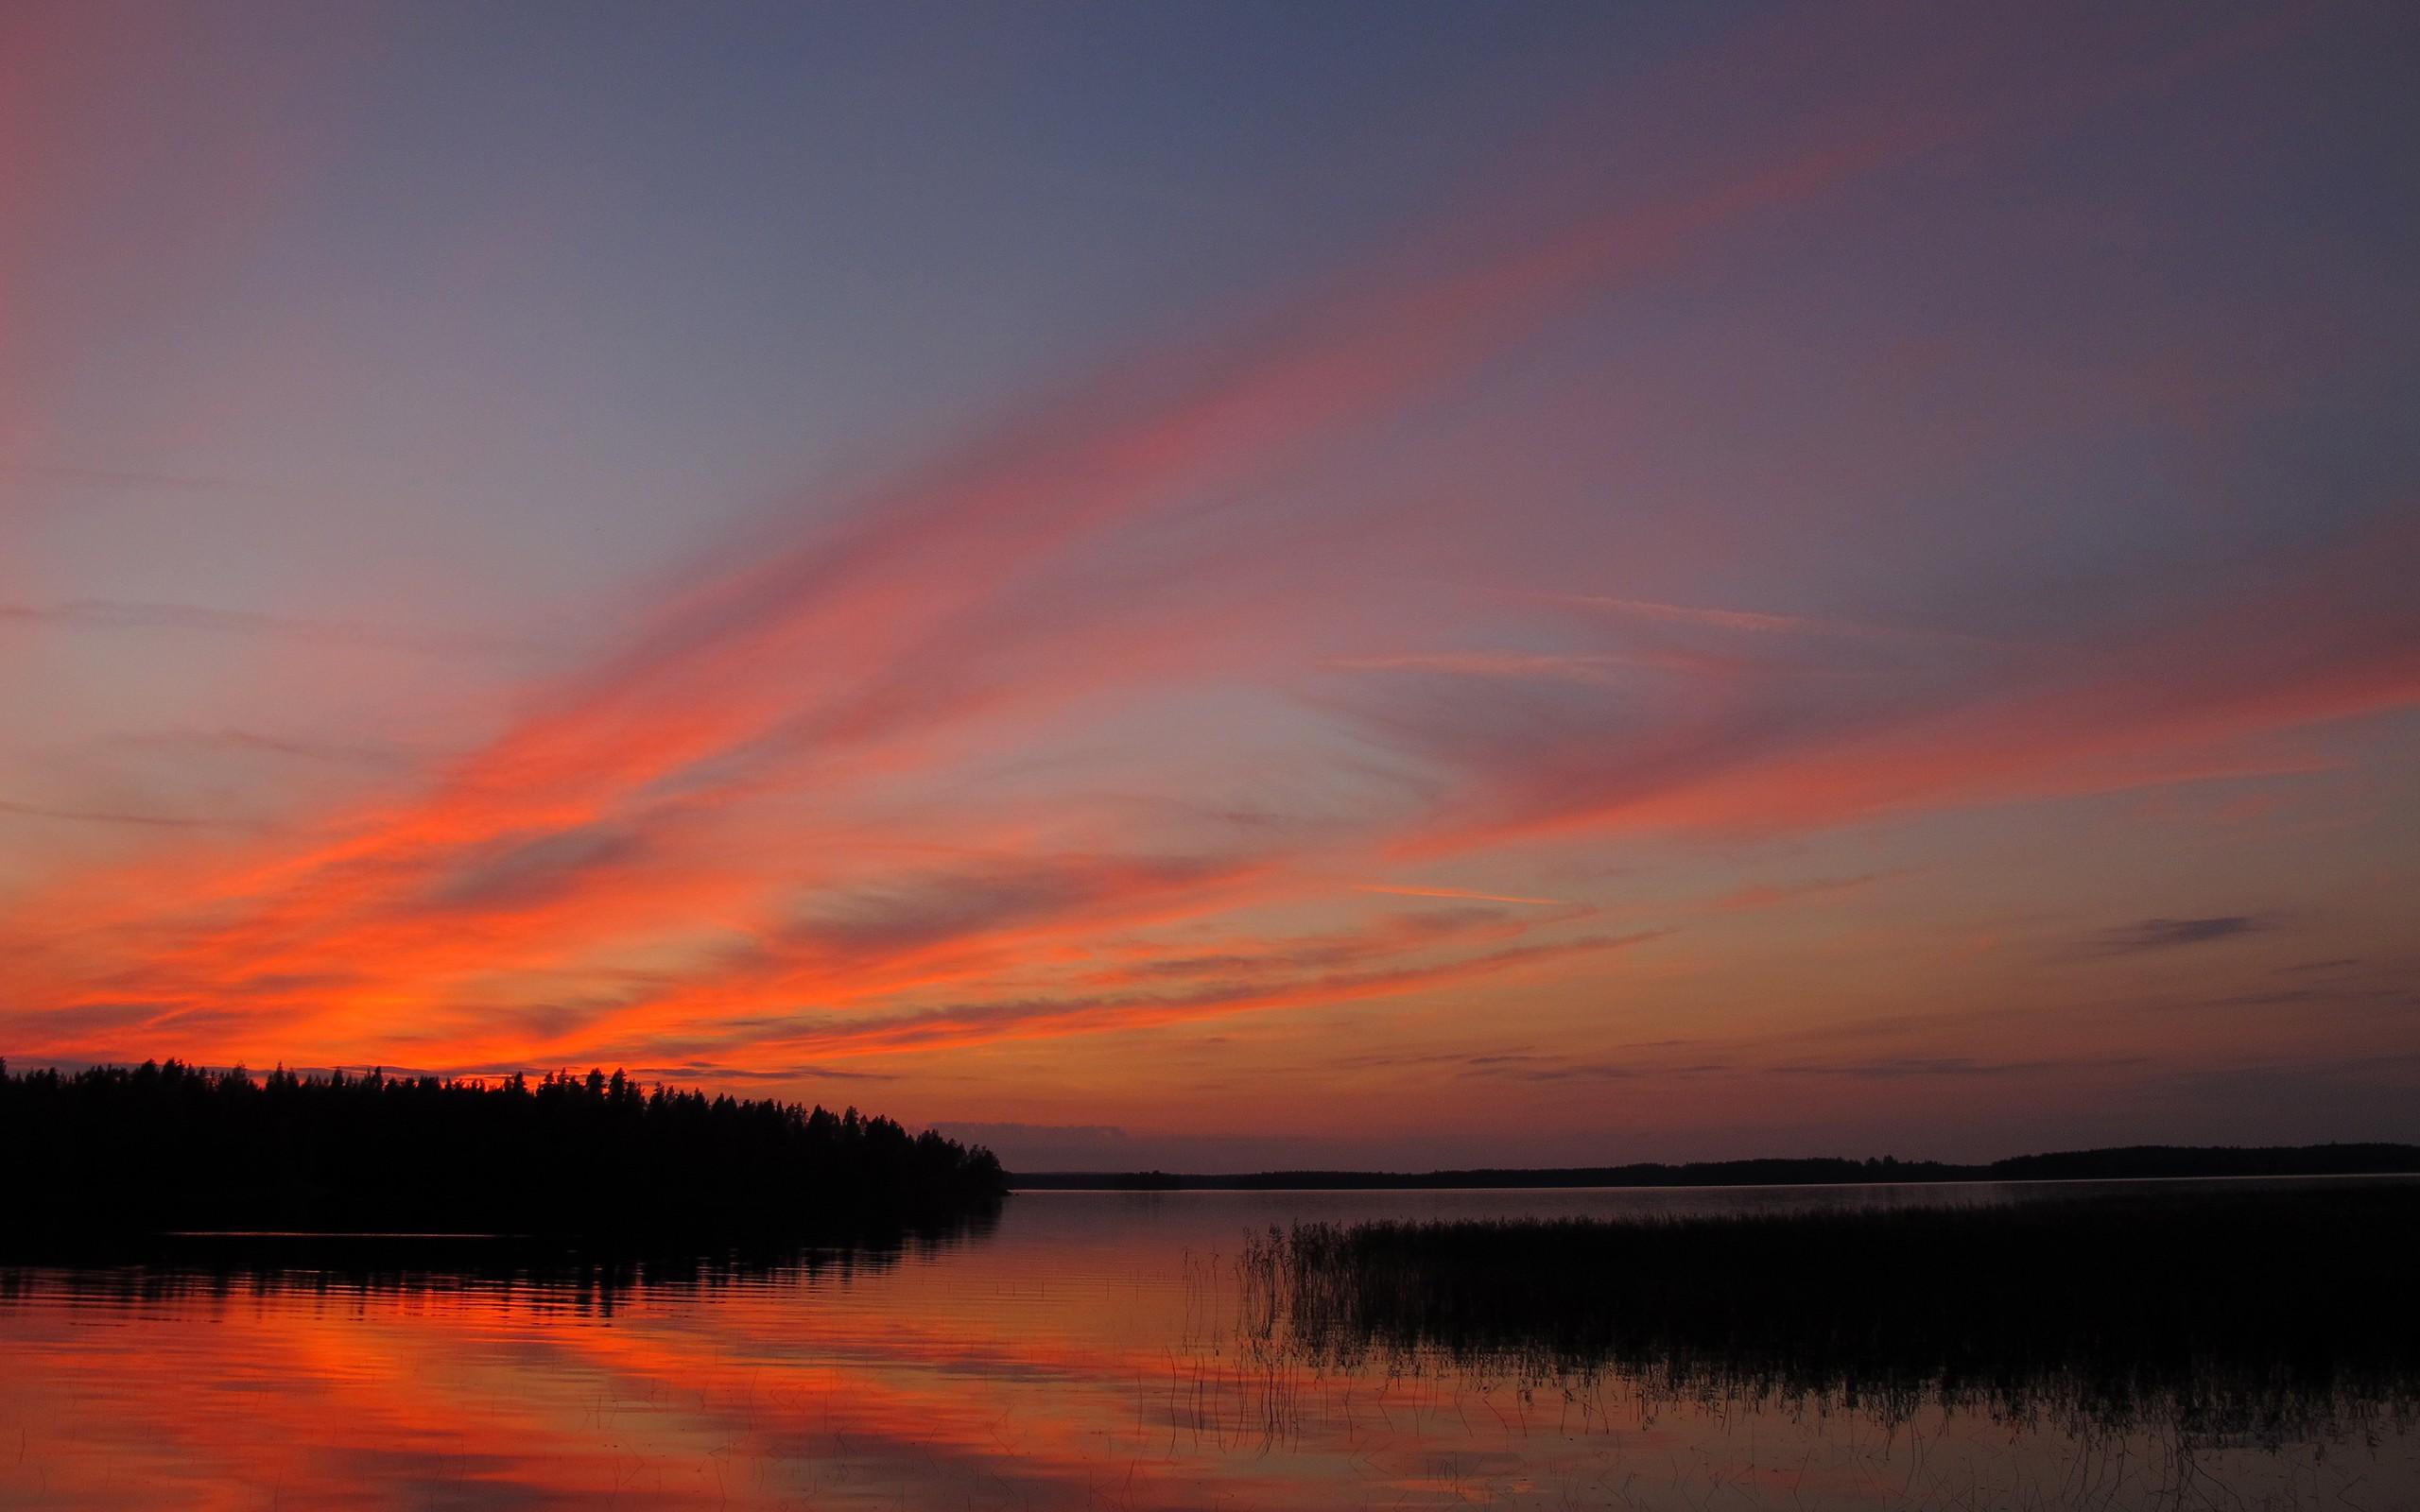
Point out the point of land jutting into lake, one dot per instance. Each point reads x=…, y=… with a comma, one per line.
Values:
x=134, y=1151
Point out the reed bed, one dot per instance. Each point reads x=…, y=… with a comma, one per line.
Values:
x=2260, y=1315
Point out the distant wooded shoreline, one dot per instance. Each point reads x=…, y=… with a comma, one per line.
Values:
x=2116, y=1163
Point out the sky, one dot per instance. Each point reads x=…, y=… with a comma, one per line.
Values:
x=1229, y=585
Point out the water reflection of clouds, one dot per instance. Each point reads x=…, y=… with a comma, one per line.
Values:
x=1082, y=1354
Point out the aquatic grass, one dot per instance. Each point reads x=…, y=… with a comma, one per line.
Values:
x=2233, y=1313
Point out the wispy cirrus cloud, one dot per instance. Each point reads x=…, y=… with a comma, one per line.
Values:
x=134, y=817
x=2328, y=638
x=1769, y=895
x=1903, y=1068
x=2175, y=934
x=235, y=742
x=1403, y=891
x=730, y=693
x=138, y=615
x=974, y=1023
x=842, y=794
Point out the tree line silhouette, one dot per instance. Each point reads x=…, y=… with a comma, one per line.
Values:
x=170, y=1146
x=2123, y=1163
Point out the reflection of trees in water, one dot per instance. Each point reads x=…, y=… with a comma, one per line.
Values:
x=2217, y=1317
x=537, y=1276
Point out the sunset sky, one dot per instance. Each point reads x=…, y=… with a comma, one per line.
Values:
x=1218, y=585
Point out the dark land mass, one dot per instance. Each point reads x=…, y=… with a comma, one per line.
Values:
x=123, y=1152
x=2259, y=1313
x=2126, y=1163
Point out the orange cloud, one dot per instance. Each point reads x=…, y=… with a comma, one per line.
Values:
x=698, y=841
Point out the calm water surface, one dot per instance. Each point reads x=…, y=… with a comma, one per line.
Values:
x=1085, y=1352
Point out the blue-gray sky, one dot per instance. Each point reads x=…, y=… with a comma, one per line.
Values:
x=1220, y=584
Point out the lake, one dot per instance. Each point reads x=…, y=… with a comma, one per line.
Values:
x=1085, y=1349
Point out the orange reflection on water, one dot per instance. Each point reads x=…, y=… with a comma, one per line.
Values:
x=1086, y=1354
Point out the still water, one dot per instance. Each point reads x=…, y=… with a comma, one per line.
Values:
x=1085, y=1350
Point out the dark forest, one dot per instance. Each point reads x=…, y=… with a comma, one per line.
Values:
x=166, y=1146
